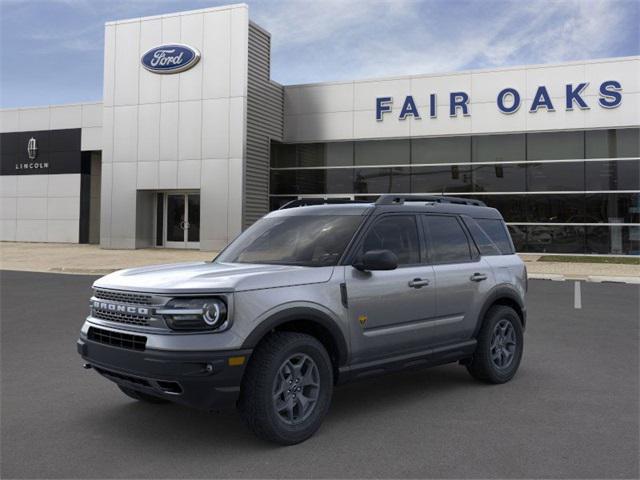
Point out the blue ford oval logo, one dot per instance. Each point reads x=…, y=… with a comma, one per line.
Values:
x=172, y=58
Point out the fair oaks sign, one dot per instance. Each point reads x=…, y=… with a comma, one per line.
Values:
x=173, y=58
x=508, y=101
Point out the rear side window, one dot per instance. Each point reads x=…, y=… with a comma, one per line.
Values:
x=447, y=241
x=481, y=239
x=397, y=233
x=497, y=232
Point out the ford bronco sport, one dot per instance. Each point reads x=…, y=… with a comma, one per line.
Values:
x=309, y=297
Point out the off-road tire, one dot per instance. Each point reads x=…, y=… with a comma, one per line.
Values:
x=141, y=396
x=257, y=404
x=482, y=366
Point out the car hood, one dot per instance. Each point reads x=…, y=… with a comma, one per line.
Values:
x=206, y=277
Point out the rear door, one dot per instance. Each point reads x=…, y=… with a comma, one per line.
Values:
x=390, y=311
x=462, y=277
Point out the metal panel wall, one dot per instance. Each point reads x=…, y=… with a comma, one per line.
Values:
x=265, y=120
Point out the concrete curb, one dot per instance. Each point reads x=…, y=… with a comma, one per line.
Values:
x=585, y=278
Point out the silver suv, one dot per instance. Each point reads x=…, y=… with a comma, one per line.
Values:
x=309, y=297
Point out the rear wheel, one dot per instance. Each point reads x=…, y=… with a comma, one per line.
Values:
x=141, y=396
x=287, y=388
x=500, y=345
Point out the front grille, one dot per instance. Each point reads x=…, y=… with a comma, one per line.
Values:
x=124, y=297
x=119, y=317
x=117, y=339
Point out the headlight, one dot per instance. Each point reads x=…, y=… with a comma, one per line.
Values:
x=195, y=314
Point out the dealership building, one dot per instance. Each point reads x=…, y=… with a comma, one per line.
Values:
x=193, y=142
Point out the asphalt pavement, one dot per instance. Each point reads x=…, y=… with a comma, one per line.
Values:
x=571, y=411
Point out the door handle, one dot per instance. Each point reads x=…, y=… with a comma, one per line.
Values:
x=478, y=277
x=418, y=283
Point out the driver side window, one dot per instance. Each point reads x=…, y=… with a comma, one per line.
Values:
x=397, y=233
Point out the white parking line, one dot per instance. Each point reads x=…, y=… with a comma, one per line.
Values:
x=577, y=295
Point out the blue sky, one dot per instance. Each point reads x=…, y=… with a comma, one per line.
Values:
x=51, y=50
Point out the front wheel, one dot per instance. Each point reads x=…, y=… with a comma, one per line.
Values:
x=500, y=345
x=287, y=388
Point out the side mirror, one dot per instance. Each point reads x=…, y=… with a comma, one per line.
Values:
x=377, y=260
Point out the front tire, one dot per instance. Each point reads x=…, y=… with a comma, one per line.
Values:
x=500, y=345
x=287, y=388
x=143, y=397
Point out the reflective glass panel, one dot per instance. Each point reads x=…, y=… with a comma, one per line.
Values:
x=613, y=175
x=613, y=143
x=382, y=180
x=382, y=152
x=555, y=145
x=545, y=177
x=441, y=150
x=499, y=148
x=441, y=179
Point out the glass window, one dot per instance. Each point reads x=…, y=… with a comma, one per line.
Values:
x=311, y=154
x=613, y=143
x=382, y=180
x=339, y=180
x=499, y=148
x=339, y=154
x=548, y=238
x=283, y=155
x=555, y=145
x=481, y=239
x=441, y=150
x=613, y=240
x=613, y=175
x=546, y=177
x=555, y=208
x=612, y=208
x=309, y=240
x=283, y=182
x=499, y=178
x=441, y=179
x=397, y=233
x=311, y=182
x=382, y=152
x=497, y=232
x=447, y=241
x=512, y=207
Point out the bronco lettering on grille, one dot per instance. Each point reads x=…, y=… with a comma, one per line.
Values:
x=114, y=307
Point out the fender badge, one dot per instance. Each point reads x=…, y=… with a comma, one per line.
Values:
x=362, y=319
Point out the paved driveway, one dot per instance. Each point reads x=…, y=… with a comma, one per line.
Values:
x=572, y=410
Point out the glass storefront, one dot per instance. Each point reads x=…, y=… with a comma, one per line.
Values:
x=579, y=179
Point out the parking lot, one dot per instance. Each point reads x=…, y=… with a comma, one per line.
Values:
x=571, y=412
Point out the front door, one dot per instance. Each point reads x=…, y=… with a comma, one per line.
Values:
x=391, y=311
x=182, y=220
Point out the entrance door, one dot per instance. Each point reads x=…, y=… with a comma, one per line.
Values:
x=182, y=220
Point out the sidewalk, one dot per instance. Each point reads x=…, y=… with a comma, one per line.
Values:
x=90, y=259
x=87, y=259
x=593, y=272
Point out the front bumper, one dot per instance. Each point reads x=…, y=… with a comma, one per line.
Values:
x=204, y=380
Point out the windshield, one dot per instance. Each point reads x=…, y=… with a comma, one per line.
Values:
x=310, y=241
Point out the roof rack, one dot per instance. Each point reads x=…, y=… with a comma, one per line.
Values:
x=305, y=202
x=400, y=199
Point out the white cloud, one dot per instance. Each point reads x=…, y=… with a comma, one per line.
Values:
x=326, y=40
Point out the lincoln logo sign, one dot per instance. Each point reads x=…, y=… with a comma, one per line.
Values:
x=508, y=101
x=172, y=58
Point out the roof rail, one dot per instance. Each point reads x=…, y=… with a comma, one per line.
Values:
x=400, y=199
x=305, y=202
